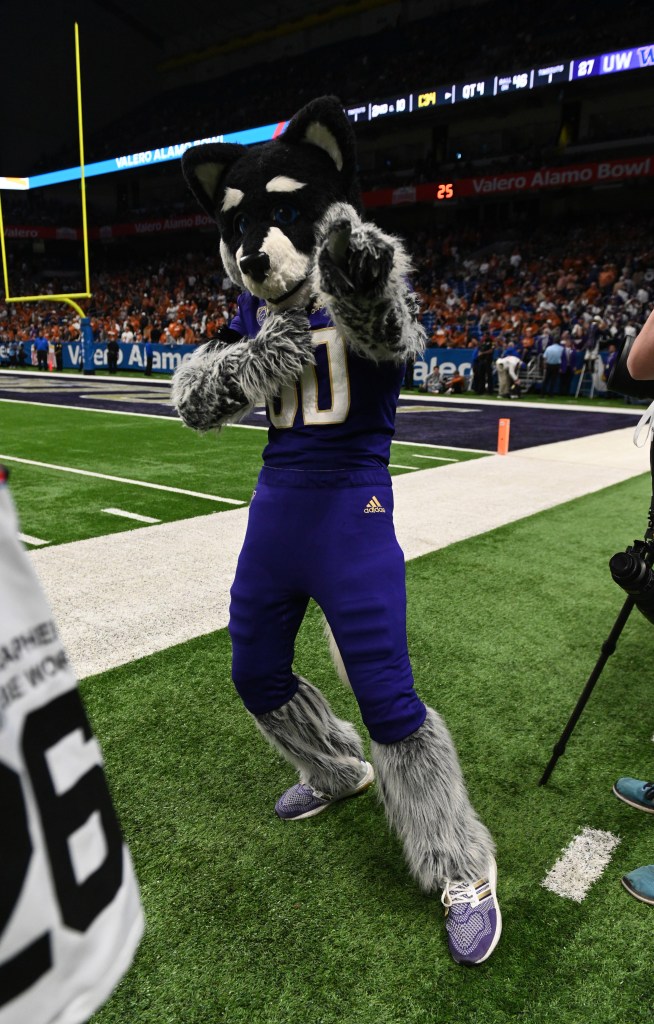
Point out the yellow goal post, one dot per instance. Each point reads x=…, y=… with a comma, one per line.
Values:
x=67, y=297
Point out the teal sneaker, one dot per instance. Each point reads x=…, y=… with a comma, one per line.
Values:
x=640, y=884
x=636, y=793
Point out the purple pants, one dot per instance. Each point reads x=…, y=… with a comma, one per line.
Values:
x=327, y=536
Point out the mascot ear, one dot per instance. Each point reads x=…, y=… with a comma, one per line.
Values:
x=203, y=168
x=323, y=123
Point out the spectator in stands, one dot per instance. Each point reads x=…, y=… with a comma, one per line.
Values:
x=149, y=350
x=433, y=383
x=41, y=346
x=567, y=364
x=508, y=370
x=552, y=357
x=482, y=367
x=113, y=351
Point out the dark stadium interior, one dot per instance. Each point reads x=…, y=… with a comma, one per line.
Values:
x=154, y=77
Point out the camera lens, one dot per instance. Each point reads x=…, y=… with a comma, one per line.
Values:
x=631, y=572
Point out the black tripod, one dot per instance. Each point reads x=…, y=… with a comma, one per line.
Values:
x=631, y=570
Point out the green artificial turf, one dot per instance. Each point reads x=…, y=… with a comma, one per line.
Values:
x=60, y=507
x=252, y=920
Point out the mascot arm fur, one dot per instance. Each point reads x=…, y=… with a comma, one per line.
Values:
x=223, y=379
x=360, y=274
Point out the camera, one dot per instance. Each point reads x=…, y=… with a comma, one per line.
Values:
x=620, y=379
x=631, y=571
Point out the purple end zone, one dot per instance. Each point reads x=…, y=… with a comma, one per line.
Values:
x=474, y=425
x=452, y=423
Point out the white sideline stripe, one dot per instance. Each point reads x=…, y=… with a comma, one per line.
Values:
x=158, y=416
x=582, y=863
x=121, y=480
x=130, y=515
x=36, y=541
x=436, y=458
x=398, y=465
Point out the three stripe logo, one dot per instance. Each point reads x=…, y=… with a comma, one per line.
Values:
x=374, y=505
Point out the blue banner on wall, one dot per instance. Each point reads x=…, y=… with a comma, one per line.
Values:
x=448, y=360
x=165, y=358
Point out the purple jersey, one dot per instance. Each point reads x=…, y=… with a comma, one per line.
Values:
x=341, y=412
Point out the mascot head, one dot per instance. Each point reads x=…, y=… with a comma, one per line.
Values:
x=268, y=199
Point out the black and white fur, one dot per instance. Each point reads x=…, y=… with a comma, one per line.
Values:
x=288, y=212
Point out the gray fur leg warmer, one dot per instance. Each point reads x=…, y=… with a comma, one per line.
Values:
x=427, y=805
x=326, y=751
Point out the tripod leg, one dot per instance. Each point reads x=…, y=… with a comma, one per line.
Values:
x=608, y=648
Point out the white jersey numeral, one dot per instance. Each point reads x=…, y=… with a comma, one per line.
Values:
x=282, y=413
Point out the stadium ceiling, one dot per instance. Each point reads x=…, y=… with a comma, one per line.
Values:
x=200, y=29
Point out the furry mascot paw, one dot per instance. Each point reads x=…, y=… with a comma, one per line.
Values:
x=353, y=257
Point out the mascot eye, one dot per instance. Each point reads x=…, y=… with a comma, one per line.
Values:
x=285, y=215
x=241, y=223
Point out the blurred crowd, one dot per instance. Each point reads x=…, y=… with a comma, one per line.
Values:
x=591, y=284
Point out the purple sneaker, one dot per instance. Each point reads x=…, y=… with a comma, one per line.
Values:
x=472, y=918
x=303, y=801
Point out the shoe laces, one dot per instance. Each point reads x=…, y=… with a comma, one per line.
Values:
x=462, y=892
x=648, y=790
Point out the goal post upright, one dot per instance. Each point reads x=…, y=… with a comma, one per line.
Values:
x=67, y=297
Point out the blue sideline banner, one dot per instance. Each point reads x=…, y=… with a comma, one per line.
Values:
x=448, y=360
x=165, y=358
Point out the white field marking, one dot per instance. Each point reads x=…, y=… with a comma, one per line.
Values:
x=490, y=403
x=154, y=416
x=439, y=447
x=581, y=863
x=398, y=465
x=436, y=458
x=130, y=515
x=36, y=541
x=122, y=480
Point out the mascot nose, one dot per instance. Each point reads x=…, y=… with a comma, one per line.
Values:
x=256, y=266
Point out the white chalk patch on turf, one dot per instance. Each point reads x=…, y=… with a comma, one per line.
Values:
x=581, y=863
x=130, y=515
x=122, y=480
x=35, y=541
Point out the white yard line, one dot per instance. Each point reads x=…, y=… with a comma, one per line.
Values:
x=436, y=458
x=121, y=480
x=398, y=465
x=77, y=408
x=455, y=400
x=581, y=863
x=154, y=416
x=130, y=515
x=36, y=541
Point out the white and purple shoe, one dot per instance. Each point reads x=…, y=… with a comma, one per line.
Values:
x=472, y=917
x=303, y=801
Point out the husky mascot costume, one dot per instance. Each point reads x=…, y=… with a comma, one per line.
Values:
x=325, y=322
